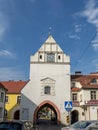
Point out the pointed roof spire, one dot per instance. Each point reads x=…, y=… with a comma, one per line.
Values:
x=50, y=39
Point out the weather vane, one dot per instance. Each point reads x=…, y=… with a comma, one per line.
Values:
x=50, y=28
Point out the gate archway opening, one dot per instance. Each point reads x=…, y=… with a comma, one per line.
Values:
x=74, y=116
x=47, y=112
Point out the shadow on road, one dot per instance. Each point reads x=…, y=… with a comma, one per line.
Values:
x=47, y=125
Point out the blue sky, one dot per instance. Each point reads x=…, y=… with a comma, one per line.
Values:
x=24, y=26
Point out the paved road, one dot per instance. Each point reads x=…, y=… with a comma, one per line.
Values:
x=48, y=125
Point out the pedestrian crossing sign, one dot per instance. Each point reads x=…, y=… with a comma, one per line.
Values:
x=68, y=105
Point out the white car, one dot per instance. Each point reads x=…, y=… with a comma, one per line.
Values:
x=81, y=125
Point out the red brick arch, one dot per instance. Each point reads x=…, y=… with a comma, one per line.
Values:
x=50, y=103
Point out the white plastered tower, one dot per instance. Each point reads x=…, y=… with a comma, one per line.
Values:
x=49, y=66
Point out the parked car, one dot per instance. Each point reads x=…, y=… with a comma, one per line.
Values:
x=95, y=127
x=16, y=125
x=81, y=125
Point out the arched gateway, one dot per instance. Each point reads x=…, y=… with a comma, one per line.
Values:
x=49, y=85
x=52, y=107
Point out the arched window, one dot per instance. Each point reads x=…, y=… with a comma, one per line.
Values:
x=47, y=89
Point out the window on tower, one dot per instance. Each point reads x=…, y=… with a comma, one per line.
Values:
x=47, y=90
x=40, y=56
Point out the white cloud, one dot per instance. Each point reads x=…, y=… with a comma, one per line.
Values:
x=78, y=28
x=4, y=25
x=7, y=73
x=6, y=53
x=90, y=12
x=95, y=46
x=74, y=36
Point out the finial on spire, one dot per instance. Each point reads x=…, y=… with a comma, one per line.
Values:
x=50, y=28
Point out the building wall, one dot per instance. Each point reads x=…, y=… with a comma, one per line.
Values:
x=11, y=106
x=2, y=103
x=87, y=107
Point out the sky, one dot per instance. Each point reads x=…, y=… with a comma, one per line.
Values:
x=24, y=27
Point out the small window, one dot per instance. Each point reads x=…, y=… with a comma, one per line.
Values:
x=6, y=99
x=93, y=95
x=47, y=90
x=1, y=96
x=59, y=57
x=94, y=81
x=5, y=113
x=81, y=98
x=74, y=96
x=40, y=56
x=18, y=99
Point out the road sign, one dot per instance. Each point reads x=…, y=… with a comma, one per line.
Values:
x=68, y=105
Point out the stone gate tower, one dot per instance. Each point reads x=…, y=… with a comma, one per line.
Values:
x=49, y=83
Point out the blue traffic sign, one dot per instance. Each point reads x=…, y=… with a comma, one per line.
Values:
x=68, y=105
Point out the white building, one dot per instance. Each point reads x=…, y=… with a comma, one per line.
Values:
x=85, y=97
x=49, y=83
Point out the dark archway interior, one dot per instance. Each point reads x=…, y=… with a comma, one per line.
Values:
x=47, y=114
x=17, y=115
x=74, y=116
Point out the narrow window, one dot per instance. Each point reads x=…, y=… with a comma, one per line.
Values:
x=74, y=96
x=5, y=113
x=18, y=99
x=93, y=95
x=2, y=97
x=40, y=56
x=6, y=99
x=47, y=90
x=59, y=57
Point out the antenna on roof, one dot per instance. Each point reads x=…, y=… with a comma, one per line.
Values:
x=50, y=28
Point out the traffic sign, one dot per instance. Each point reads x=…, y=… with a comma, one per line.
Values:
x=68, y=105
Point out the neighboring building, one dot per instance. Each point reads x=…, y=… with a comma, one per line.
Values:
x=49, y=85
x=3, y=91
x=13, y=97
x=85, y=97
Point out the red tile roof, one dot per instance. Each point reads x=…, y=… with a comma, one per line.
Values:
x=75, y=89
x=86, y=81
x=14, y=86
x=2, y=86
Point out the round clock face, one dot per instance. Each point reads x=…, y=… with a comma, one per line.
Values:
x=50, y=57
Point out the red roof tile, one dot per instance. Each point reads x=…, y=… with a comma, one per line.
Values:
x=14, y=86
x=86, y=81
x=2, y=86
x=75, y=89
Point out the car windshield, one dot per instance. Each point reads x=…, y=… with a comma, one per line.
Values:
x=81, y=124
x=11, y=125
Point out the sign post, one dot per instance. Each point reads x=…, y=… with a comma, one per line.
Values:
x=68, y=107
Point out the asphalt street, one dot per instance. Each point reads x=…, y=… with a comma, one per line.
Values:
x=48, y=127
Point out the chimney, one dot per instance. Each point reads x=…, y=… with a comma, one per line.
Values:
x=78, y=73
